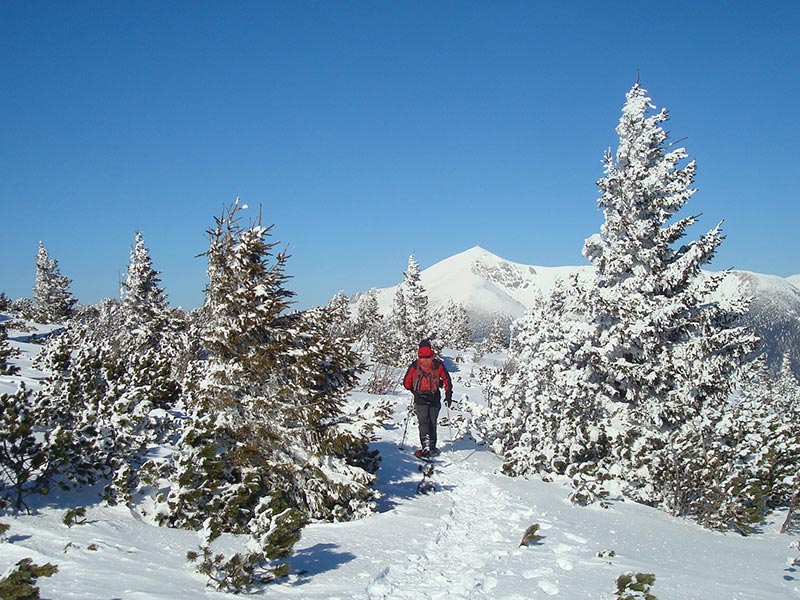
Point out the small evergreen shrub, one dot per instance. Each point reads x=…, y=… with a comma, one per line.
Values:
x=19, y=584
x=75, y=516
x=6, y=353
x=635, y=586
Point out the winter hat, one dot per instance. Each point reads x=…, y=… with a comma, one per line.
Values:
x=425, y=350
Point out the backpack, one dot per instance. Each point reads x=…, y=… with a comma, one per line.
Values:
x=426, y=379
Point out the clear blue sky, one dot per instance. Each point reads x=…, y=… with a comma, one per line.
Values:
x=371, y=130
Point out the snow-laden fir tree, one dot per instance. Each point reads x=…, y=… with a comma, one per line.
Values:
x=637, y=363
x=339, y=307
x=145, y=312
x=666, y=356
x=267, y=444
x=368, y=323
x=666, y=349
x=410, y=320
x=52, y=300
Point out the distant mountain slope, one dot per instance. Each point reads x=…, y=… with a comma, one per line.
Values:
x=488, y=286
x=774, y=314
x=491, y=287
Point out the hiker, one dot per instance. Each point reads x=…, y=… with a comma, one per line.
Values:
x=423, y=378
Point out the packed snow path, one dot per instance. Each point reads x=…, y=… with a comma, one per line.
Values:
x=459, y=560
x=466, y=554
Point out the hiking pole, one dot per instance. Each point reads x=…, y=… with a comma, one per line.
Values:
x=405, y=427
x=450, y=427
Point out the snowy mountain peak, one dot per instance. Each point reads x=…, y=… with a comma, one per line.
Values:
x=487, y=285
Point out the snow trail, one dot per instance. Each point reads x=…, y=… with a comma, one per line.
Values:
x=465, y=556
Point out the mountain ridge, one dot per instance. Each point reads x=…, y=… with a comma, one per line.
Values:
x=491, y=287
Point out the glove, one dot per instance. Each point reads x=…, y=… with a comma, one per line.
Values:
x=448, y=399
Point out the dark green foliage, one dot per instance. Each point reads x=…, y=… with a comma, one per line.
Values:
x=20, y=583
x=25, y=463
x=75, y=516
x=274, y=537
x=635, y=586
x=6, y=353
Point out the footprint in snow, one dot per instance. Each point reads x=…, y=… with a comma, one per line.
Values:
x=534, y=573
x=564, y=563
x=562, y=549
x=575, y=538
x=548, y=587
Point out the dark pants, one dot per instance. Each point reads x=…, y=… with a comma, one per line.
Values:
x=427, y=415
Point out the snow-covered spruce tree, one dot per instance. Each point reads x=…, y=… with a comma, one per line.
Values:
x=6, y=353
x=416, y=325
x=342, y=324
x=666, y=356
x=367, y=315
x=145, y=312
x=52, y=300
x=637, y=363
x=410, y=319
x=267, y=445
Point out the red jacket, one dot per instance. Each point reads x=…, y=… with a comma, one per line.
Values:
x=438, y=368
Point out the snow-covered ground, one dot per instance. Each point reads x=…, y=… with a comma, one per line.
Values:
x=462, y=541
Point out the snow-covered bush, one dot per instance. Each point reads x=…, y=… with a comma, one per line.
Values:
x=410, y=321
x=20, y=582
x=635, y=586
x=6, y=353
x=25, y=463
